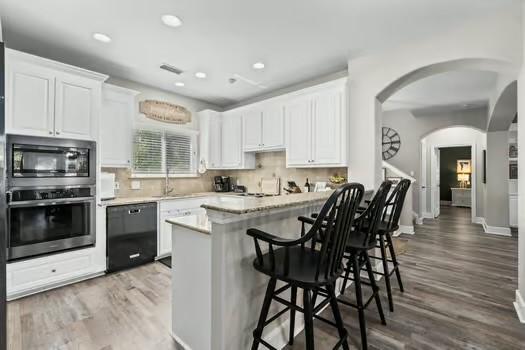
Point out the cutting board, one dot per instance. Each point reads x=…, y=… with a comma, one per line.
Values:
x=271, y=186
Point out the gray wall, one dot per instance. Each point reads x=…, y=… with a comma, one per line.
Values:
x=412, y=128
x=497, y=195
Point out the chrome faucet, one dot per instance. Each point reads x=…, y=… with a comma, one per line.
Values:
x=167, y=189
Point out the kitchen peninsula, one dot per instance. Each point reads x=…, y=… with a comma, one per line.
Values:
x=217, y=295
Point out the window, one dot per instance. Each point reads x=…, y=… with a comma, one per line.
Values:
x=154, y=151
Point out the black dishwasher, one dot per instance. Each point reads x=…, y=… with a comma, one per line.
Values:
x=131, y=235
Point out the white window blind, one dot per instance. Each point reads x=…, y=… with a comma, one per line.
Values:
x=156, y=151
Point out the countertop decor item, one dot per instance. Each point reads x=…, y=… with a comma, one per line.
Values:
x=391, y=143
x=165, y=112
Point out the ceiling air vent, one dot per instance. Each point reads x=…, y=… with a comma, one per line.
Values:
x=171, y=69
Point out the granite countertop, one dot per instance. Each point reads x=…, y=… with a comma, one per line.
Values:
x=243, y=205
x=198, y=222
x=138, y=200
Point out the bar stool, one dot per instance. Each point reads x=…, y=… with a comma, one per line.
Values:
x=390, y=224
x=363, y=238
x=302, y=263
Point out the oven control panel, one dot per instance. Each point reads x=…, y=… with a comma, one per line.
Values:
x=43, y=194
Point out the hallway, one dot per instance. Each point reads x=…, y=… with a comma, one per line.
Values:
x=459, y=288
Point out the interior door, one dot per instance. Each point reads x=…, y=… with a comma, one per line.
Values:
x=435, y=182
x=75, y=110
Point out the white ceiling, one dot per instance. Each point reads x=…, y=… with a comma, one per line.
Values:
x=450, y=90
x=296, y=39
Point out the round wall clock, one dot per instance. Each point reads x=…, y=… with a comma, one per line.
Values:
x=391, y=143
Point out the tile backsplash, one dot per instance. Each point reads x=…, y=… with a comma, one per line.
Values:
x=268, y=165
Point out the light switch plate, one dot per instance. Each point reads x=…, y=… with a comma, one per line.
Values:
x=135, y=185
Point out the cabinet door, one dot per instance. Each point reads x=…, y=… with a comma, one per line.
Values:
x=214, y=145
x=299, y=132
x=273, y=127
x=231, y=141
x=165, y=233
x=115, y=131
x=77, y=106
x=252, y=130
x=30, y=99
x=326, y=127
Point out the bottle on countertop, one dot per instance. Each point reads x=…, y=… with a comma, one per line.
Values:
x=307, y=186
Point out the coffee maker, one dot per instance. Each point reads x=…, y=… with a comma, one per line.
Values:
x=222, y=184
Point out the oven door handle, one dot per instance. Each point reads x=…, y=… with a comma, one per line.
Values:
x=46, y=202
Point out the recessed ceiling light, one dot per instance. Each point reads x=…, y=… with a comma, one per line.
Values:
x=179, y=83
x=102, y=37
x=258, y=65
x=171, y=20
x=201, y=75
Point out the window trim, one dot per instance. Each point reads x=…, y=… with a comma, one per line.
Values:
x=193, y=134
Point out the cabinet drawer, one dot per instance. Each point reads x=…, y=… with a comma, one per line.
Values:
x=33, y=275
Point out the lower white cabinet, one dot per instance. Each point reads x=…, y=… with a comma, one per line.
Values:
x=172, y=209
x=34, y=275
x=461, y=197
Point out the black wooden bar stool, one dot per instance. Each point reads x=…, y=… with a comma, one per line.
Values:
x=388, y=225
x=362, y=238
x=312, y=262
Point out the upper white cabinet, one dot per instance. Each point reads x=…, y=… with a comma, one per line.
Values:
x=316, y=127
x=48, y=98
x=263, y=127
x=221, y=141
x=118, y=110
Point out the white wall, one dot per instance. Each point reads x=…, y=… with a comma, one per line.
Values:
x=495, y=47
x=457, y=136
x=412, y=129
x=148, y=92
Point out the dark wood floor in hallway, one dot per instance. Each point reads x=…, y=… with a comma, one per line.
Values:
x=459, y=288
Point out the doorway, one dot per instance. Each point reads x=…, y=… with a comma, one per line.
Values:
x=454, y=177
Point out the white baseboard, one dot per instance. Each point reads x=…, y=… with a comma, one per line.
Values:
x=519, y=304
x=478, y=220
x=406, y=229
x=496, y=230
x=427, y=215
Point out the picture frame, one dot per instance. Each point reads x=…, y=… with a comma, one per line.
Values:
x=464, y=166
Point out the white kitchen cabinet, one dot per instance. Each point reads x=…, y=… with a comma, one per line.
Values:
x=231, y=141
x=30, y=99
x=299, y=128
x=273, y=126
x=118, y=110
x=48, y=98
x=316, y=127
x=252, y=130
x=221, y=144
x=263, y=127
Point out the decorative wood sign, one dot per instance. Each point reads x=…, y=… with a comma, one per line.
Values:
x=165, y=112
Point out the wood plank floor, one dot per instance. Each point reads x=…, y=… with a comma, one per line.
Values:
x=459, y=288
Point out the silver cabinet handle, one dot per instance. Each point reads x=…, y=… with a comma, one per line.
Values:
x=50, y=132
x=58, y=132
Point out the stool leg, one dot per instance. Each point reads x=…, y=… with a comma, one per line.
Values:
x=257, y=333
x=394, y=260
x=308, y=320
x=343, y=334
x=347, y=275
x=293, y=300
x=375, y=288
x=386, y=272
x=359, y=298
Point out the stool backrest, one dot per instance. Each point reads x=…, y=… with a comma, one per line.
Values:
x=368, y=222
x=394, y=204
x=333, y=226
